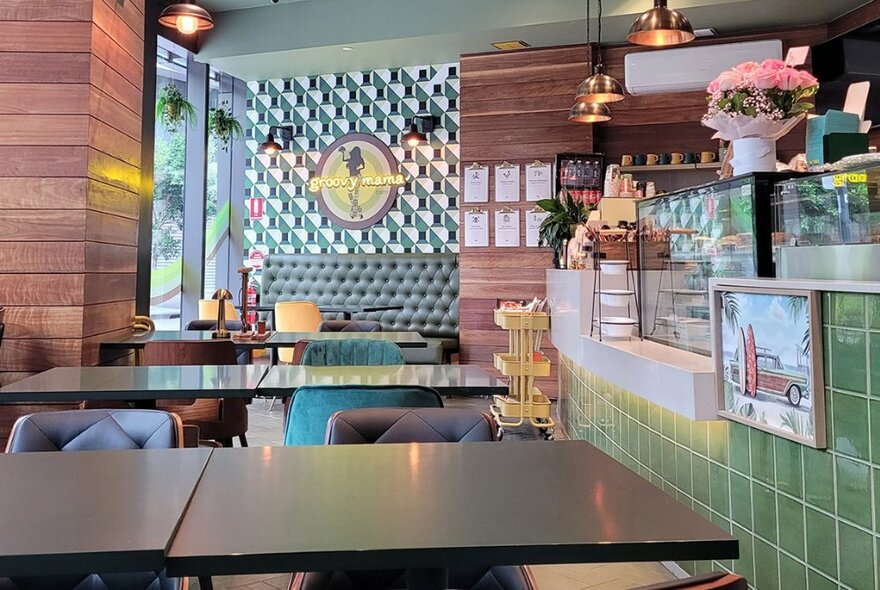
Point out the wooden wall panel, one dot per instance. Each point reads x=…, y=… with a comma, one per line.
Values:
x=71, y=73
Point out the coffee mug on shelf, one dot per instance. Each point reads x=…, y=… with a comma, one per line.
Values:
x=652, y=159
x=708, y=157
x=626, y=160
x=639, y=160
x=664, y=159
x=676, y=158
x=690, y=158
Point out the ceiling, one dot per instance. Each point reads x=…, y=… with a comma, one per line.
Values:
x=256, y=39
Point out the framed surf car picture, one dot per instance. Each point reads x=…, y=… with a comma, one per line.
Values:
x=767, y=351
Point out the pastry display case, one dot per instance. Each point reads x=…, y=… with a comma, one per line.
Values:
x=721, y=229
x=827, y=226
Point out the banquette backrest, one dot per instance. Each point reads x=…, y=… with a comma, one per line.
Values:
x=426, y=285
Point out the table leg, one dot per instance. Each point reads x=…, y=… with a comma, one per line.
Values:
x=205, y=583
x=436, y=578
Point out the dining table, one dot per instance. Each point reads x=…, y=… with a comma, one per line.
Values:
x=429, y=507
x=96, y=511
x=283, y=380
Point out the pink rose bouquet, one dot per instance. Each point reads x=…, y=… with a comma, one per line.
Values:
x=753, y=99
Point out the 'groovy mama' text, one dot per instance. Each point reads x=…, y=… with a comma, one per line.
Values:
x=352, y=183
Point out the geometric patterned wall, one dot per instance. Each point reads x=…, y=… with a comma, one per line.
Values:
x=323, y=108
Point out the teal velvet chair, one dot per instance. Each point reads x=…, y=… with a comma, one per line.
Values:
x=312, y=405
x=356, y=351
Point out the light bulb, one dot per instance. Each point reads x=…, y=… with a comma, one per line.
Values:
x=271, y=151
x=413, y=142
x=187, y=24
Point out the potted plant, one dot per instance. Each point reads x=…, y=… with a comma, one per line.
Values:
x=755, y=104
x=223, y=126
x=565, y=213
x=172, y=108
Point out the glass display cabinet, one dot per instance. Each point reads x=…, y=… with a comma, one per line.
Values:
x=721, y=229
x=828, y=226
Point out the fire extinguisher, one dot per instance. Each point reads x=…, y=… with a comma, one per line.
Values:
x=252, y=302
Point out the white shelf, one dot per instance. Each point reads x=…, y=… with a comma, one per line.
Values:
x=671, y=167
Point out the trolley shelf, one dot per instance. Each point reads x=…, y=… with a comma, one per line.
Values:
x=519, y=320
x=506, y=406
x=511, y=366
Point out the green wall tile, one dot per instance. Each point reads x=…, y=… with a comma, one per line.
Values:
x=817, y=581
x=719, y=489
x=766, y=566
x=668, y=423
x=874, y=356
x=700, y=438
x=792, y=573
x=740, y=500
x=854, y=491
x=821, y=542
x=850, y=431
x=872, y=307
x=745, y=565
x=683, y=469
x=788, y=466
x=764, y=508
x=856, y=557
x=819, y=478
x=847, y=309
x=700, y=471
x=763, y=465
x=791, y=525
x=848, y=367
x=668, y=464
x=719, y=435
x=682, y=430
x=739, y=447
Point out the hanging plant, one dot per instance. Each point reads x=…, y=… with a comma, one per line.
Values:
x=223, y=126
x=172, y=108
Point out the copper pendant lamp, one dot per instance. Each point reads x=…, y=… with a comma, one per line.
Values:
x=187, y=18
x=661, y=26
x=589, y=112
x=600, y=87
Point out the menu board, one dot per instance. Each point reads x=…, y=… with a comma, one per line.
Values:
x=476, y=184
x=539, y=181
x=507, y=228
x=476, y=228
x=507, y=183
x=534, y=219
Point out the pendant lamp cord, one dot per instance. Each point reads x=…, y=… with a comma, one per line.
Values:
x=589, y=52
x=599, y=38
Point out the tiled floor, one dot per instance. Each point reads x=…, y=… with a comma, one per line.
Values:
x=265, y=429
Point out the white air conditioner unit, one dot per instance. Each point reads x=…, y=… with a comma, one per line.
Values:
x=691, y=68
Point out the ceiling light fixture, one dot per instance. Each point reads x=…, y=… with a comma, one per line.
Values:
x=589, y=112
x=271, y=147
x=186, y=17
x=600, y=87
x=419, y=127
x=661, y=26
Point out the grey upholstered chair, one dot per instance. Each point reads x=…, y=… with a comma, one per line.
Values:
x=407, y=425
x=356, y=351
x=349, y=326
x=90, y=430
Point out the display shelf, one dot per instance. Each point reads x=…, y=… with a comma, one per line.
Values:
x=671, y=167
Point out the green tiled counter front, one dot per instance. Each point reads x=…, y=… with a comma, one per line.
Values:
x=805, y=518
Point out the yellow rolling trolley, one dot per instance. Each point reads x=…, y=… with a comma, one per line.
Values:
x=522, y=362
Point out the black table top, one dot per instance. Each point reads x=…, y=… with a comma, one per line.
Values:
x=282, y=380
x=136, y=383
x=275, y=340
x=101, y=511
x=430, y=506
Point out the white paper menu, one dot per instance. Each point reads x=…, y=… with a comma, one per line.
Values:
x=539, y=181
x=507, y=183
x=533, y=226
x=476, y=228
x=506, y=229
x=476, y=184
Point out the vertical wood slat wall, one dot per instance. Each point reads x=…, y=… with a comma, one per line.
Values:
x=71, y=75
x=514, y=107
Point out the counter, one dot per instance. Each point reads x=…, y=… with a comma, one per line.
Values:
x=680, y=381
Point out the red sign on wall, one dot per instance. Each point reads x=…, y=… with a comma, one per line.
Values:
x=256, y=259
x=255, y=205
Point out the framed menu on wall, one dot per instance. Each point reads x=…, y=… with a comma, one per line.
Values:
x=539, y=181
x=476, y=184
x=507, y=228
x=534, y=219
x=476, y=228
x=507, y=182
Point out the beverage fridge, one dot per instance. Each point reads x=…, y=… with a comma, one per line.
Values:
x=581, y=175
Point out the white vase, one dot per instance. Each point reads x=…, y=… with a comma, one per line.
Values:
x=753, y=154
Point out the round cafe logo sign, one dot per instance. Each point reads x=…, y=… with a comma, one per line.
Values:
x=356, y=181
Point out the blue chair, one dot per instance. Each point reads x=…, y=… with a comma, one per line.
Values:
x=357, y=351
x=312, y=405
x=90, y=430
